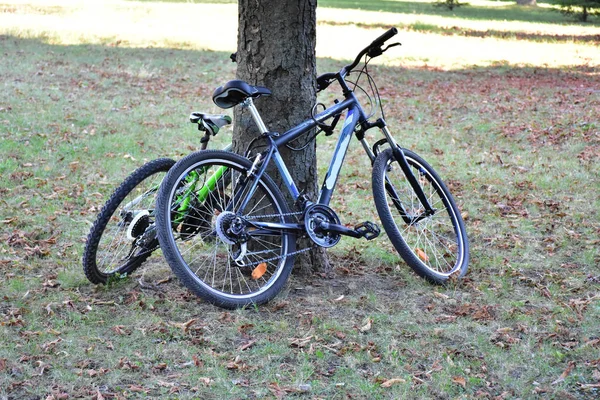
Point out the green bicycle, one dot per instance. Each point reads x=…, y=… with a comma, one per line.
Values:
x=123, y=235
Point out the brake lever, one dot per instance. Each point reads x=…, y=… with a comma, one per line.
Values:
x=391, y=45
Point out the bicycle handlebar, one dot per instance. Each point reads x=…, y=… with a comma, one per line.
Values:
x=383, y=38
x=373, y=50
x=376, y=44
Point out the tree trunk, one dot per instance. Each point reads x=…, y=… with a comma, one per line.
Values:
x=276, y=49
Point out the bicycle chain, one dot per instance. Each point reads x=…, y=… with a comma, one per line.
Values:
x=282, y=256
x=252, y=264
x=273, y=215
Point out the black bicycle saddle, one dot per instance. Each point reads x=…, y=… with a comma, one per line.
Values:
x=235, y=92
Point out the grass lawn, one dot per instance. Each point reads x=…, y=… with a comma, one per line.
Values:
x=510, y=120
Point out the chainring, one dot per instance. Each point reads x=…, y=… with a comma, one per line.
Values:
x=314, y=215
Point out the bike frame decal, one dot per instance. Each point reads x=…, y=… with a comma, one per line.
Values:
x=338, y=157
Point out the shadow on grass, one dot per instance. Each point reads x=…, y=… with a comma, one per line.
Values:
x=167, y=56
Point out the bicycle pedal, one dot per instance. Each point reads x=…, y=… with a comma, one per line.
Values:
x=368, y=230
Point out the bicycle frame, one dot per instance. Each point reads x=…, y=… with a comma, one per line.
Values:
x=355, y=121
x=355, y=117
x=354, y=109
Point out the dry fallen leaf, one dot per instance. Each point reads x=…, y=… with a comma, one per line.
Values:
x=185, y=326
x=367, y=327
x=246, y=346
x=138, y=389
x=590, y=386
x=392, y=382
x=205, y=381
x=565, y=373
x=441, y=295
x=300, y=342
x=459, y=380
x=422, y=255
x=120, y=330
x=276, y=390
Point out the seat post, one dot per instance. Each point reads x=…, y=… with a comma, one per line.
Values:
x=255, y=115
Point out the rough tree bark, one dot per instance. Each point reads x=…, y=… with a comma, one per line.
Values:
x=276, y=49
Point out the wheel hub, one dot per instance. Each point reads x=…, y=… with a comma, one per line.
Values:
x=230, y=228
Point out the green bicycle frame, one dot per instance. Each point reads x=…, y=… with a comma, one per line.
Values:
x=201, y=194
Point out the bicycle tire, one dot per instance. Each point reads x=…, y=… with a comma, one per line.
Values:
x=435, y=247
x=108, y=235
x=205, y=261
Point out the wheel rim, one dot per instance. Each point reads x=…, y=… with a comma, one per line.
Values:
x=207, y=256
x=436, y=242
x=117, y=249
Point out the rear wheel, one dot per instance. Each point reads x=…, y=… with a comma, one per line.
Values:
x=210, y=241
x=436, y=246
x=124, y=235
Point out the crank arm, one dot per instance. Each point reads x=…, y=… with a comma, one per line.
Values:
x=339, y=229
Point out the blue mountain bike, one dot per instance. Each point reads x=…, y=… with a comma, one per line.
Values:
x=235, y=242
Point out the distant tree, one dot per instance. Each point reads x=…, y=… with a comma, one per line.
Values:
x=449, y=4
x=580, y=8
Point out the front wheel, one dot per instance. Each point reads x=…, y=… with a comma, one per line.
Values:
x=435, y=247
x=211, y=240
x=123, y=236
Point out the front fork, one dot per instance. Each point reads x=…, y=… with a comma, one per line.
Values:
x=401, y=159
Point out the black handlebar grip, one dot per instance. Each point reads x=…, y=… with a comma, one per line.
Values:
x=324, y=80
x=381, y=39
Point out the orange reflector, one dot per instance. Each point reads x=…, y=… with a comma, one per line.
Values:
x=421, y=254
x=259, y=271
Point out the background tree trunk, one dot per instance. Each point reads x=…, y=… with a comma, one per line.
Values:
x=276, y=49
